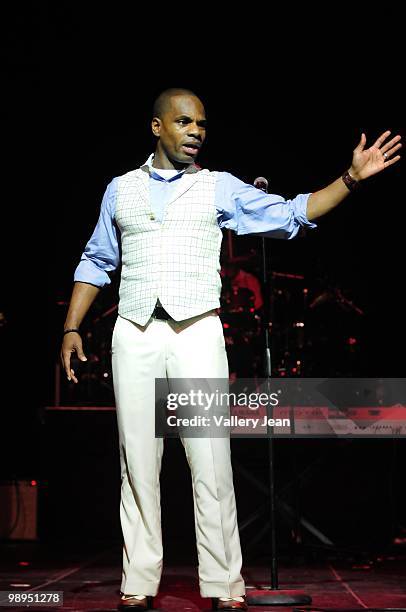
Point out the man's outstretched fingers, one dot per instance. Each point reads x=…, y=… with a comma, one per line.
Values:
x=381, y=139
x=360, y=146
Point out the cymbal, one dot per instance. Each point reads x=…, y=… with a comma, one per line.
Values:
x=288, y=275
x=105, y=314
x=239, y=258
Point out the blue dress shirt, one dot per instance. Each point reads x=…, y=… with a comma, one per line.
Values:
x=240, y=207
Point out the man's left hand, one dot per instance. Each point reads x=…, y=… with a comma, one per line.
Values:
x=366, y=162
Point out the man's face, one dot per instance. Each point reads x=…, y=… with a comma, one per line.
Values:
x=181, y=130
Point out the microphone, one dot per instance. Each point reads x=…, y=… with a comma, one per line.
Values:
x=261, y=183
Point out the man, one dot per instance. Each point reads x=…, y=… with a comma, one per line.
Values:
x=166, y=219
x=241, y=279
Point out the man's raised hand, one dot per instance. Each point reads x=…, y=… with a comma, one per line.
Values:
x=366, y=162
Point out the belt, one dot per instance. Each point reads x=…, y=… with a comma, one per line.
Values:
x=160, y=313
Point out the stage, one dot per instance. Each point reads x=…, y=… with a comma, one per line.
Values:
x=89, y=577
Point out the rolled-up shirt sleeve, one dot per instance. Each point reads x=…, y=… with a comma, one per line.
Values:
x=247, y=210
x=102, y=254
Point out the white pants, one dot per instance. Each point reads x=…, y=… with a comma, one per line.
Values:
x=191, y=348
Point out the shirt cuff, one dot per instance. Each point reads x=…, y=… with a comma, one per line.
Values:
x=300, y=205
x=89, y=272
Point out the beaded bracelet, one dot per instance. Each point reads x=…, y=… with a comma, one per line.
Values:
x=72, y=329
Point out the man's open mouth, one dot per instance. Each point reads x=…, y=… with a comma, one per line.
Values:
x=191, y=149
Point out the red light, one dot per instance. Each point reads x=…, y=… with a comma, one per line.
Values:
x=226, y=325
x=23, y=563
x=34, y=483
x=352, y=341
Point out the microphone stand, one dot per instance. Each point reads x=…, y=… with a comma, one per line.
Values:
x=273, y=595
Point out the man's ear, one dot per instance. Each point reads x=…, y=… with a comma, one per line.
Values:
x=156, y=126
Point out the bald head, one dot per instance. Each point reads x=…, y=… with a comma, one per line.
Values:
x=163, y=102
x=179, y=124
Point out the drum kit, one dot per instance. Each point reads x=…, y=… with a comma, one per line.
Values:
x=305, y=324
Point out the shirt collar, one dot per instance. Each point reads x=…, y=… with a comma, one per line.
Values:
x=147, y=167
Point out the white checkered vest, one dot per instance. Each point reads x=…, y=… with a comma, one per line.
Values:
x=176, y=261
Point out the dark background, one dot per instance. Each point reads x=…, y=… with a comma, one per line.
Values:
x=79, y=98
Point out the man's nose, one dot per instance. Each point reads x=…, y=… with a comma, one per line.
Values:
x=196, y=132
